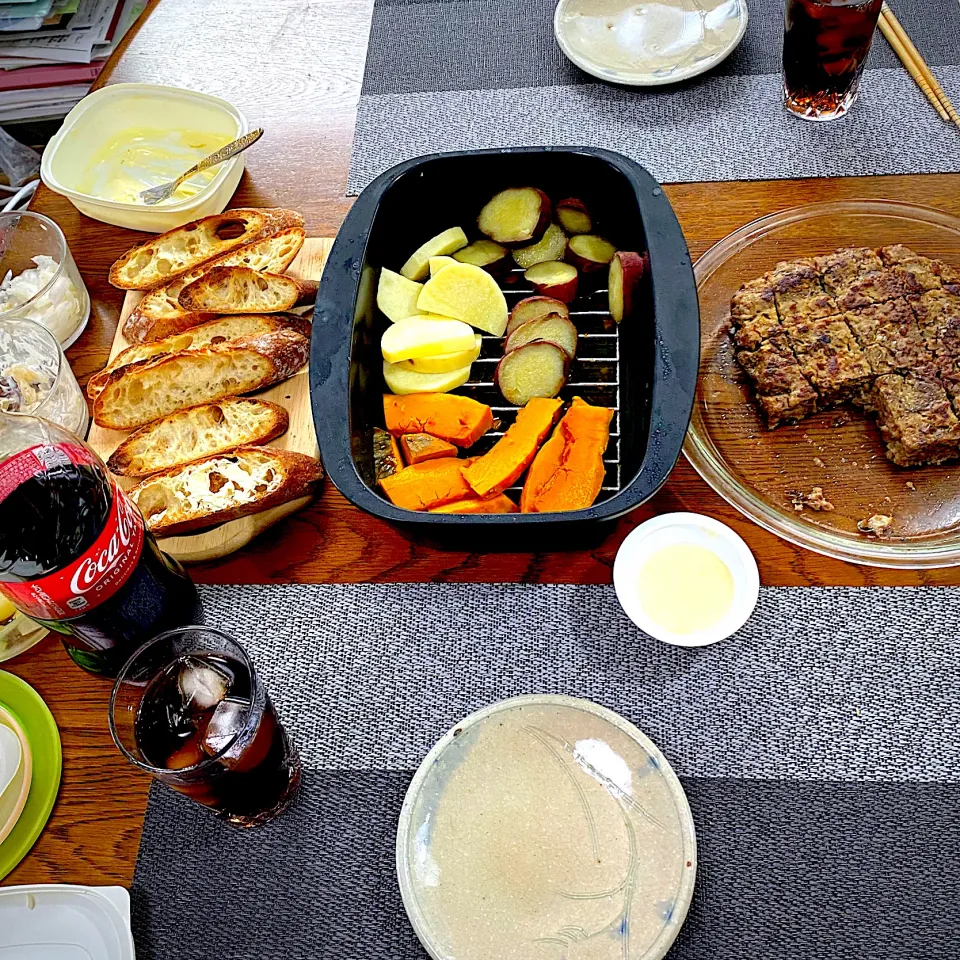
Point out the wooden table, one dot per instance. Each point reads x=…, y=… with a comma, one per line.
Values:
x=295, y=66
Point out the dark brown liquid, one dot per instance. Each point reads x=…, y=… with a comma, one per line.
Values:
x=190, y=712
x=825, y=46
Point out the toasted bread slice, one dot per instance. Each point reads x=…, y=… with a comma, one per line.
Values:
x=159, y=313
x=198, y=432
x=242, y=290
x=225, y=487
x=173, y=253
x=221, y=330
x=149, y=389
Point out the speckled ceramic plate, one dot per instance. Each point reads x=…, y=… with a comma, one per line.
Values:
x=646, y=44
x=545, y=827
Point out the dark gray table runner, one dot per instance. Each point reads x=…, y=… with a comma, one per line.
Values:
x=819, y=750
x=463, y=74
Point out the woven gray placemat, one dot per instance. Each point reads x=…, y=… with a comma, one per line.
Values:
x=467, y=74
x=818, y=748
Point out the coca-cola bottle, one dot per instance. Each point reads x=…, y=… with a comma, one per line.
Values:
x=75, y=553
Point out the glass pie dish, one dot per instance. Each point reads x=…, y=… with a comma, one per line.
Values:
x=769, y=474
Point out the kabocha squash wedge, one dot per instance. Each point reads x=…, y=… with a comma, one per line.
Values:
x=427, y=485
x=386, y=454
x=567, y=473
x=502, y=466
x=460, y=420
x=501, y=504
x=420, y=447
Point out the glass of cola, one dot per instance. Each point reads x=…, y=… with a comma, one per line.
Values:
x=190, y=709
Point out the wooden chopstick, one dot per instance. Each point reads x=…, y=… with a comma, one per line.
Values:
x=916, y=66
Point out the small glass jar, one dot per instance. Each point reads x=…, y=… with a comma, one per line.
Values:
x=36, y=379
x=17, y=632
x=38, y=278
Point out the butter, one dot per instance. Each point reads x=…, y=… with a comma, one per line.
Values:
x=686, y=588
x=141, y=157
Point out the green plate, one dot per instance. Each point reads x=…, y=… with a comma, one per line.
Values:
x=41, y=729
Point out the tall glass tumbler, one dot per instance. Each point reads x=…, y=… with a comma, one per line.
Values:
x=189, y=709
x=825, y=47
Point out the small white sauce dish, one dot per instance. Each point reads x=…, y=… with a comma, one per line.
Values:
x=687, y=528
x=16, y=772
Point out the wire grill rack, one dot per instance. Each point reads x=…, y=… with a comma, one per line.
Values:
x=594, y=374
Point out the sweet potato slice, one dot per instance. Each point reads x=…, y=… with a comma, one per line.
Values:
x=515, y=216
x=532, y=307
x=427, y=485
x=466, y=293
x=552, y=327
x=554, y=279
x=438, y=263
x=397, y=296
x=501, y=504
x=533, y=370
x=551, y=246
x=460, y=420
x=589, y=253
x=567, y=473
x=502, y=466
x=574, y=216
x=628, y=270
x=420, y=447
x=386, y=454
x=442, y=245
x=493, y=257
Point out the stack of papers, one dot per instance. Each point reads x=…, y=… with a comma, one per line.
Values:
x=51, y=51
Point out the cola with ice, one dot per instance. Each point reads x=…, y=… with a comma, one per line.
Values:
x=75, y=554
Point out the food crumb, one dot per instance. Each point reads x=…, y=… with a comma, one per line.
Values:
x=876, y=525
x=819, y=463
x=815, y=500
x=911, y=485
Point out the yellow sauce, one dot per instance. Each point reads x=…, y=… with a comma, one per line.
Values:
x=685, y=588
x=143, y=157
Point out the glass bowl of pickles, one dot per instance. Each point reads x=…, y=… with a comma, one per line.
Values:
x=17, y=632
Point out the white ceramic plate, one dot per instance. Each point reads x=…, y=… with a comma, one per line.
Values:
x=648, y=44
x=673, y=528
x=544, y=825
x=13, y=797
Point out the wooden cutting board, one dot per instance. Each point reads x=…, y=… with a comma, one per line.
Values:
x=294, y=394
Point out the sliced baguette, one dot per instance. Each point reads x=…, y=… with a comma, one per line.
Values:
x=225, y=487
x=198, y=432
x=221, y=330
x=159, y=313
x=149, y=389
x=242, y=290
x=173, y=253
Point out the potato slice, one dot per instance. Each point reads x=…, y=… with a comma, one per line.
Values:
x=552, y=279
x=515, y=216
x=532, y=307
x=628, y=271
x=553, y=327
x=402, y=381
x=425, y=336
x=589, y=253
x=444, y=362
x=552, y=246
x=467, y=293
x=442, y=245
x=397, y=296
x=574, y=216
x=533, y=370
x=438, y=263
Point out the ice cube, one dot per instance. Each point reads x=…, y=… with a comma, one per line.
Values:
x=201, y=684
x=227, y=721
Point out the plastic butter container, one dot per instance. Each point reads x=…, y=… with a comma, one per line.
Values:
x=129, y=136
x=59, y=921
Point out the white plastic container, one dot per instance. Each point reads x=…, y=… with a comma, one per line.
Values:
x=59, y=921
x=108, y=114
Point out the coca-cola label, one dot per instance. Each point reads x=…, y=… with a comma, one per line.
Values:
x=101, y=570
